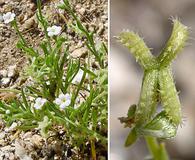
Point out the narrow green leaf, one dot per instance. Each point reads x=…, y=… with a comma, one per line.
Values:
x=25, y=100
x=131, y=138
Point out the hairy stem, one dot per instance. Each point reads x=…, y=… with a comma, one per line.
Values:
x=158, y=151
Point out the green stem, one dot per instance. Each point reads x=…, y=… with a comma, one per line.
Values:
x=43, y=22
x=157, y=150
x=93, y=150
x=15, y=25
x=89, y=36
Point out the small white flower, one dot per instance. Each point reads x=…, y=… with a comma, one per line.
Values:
x=58, y=101
x=65, y=104
x=54, y=30
x=78, y=77
x=63, y=100
x=7, y=111
x=39, y=102
x=8, y=17
x=48, y=83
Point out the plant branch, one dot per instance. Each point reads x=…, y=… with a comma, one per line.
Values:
x=157, y=150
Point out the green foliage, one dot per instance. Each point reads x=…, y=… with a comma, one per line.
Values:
x=80, y=28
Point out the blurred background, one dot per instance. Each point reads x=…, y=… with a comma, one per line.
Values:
x=151, y=19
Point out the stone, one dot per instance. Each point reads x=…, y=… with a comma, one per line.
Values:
x=78, y=52
x=3, y=73
x=21, y=152
x=37, y=140
x=82, y=11
x=12, y=127
x=11, y=71
x=2, y=135
x=5, y=81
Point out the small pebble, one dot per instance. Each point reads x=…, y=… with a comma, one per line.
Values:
x=2, y=135
x=6, y=148
x=5, y=81
x=78, y=52
x=82, y=11
x=11, y=71
x=29, y=23
x=12, y=127
x=21, y=152
x=3, y=73
x=37, y=140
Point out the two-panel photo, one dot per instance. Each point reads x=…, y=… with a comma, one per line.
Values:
x=97, y=80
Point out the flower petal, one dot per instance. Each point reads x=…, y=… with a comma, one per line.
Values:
x=62, y=97
x=67, y=96
x=58, y=101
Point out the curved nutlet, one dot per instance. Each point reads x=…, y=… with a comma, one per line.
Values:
x=175, y=43
x=169, y=96
x=161, y=127
x=138, y=49
x=148, y=98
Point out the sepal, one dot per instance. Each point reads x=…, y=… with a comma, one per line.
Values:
x=161, y=127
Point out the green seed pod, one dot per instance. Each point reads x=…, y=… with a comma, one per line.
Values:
x=169, y=96
x=161, y=127
x=175, y=43
x=138, y=48
x=148, y=98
